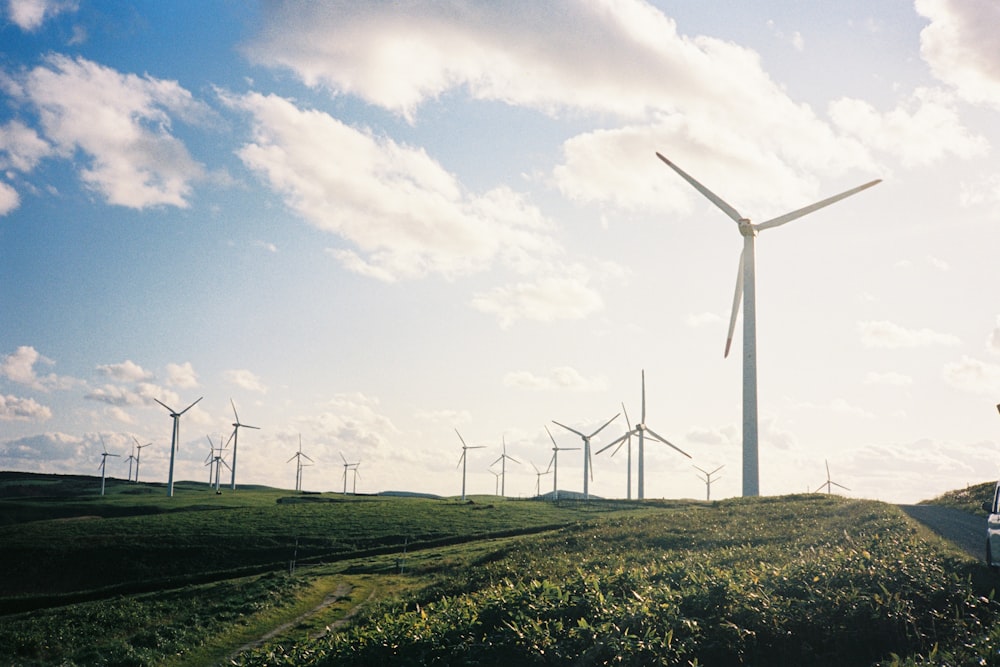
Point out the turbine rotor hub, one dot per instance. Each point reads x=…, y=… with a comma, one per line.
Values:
x=746, y=227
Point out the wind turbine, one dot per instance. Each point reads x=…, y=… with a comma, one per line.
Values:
x=496, y=486
x=829, y=483
x=104, y=462
x=462, y=459
x=218, y=460
x=586, y=452
x=642, y=430
x=538, y=478
x=626, y=438
x=354, y=489
x=554, y=463
x=130, y=459
x=138, y=455
x=298, y=464
x=745, y=287
x=503, y=466
x=347, y=466
x=708, y=480
x=175, y=437
x=236, y=442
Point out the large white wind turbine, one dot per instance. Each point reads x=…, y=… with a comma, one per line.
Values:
x=642, y=430
x=463, y=460
x=175, y=437
x=236, y=442
x=554, y=463
x=745, y=287
x=587, y=471
x=104, y=462
x=503, y=466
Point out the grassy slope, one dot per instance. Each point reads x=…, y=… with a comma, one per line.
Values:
x=769, y=581
x=969, y=499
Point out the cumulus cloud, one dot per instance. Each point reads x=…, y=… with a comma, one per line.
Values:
x=889, y=379
x=961, y=46
x=19, y=367
x=29, y=15
x=9, y=199
x=21, y=148
x=546, y=299
x=14, y=408
x=974, y=376
x=560, y=378
x=43, y=449
x=182, y=375
x=126, y=371
x=353, y=423
x=246, y=380
x=883, y=334
x=122, y=123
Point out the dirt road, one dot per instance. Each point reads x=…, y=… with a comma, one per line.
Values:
x=968, y=531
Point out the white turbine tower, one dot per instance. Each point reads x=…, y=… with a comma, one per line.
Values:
x=218, y=459
x=130, y=459
x=627, y=438
x=708, y=480
x=348, y=467
x=175, y=437
x=829, y=483
x=587, y=472
x=357, y=473
x=745, y=287
x=104, y=462
x=462, y=461
x=138, y=455
x=503, y=466
x=298, y=465
x=236, y=442
x=554, y=463
x=642, y=431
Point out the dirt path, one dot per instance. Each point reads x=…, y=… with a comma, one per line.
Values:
x=341, y=592
x=966, y=530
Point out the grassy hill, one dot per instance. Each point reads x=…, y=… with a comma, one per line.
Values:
x=135, y=578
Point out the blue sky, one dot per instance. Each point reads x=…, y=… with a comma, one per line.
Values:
x=370, y=224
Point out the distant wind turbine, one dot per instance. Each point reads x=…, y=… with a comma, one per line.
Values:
x=538, y=477
x=138, y=455
x=463, y=460
x=299, y=465
x=503, y=467
x=496, y=486
x=104, y=462
x=708, y=480
x=554, y=463
x=745, y=287
x=357, y=473
x=829, y=483
x=642, y=430
x=175, y=436
x=218, y=459
x=627, y=438
x=236, y=442
x=586, y=452
x=130, y=459
x=347, y=467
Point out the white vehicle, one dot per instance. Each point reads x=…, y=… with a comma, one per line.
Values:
x=993, y=529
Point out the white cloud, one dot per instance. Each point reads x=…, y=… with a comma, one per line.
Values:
x=351, y=423
x=889, y=379
x=9, y=199
x=993, y=342
x=20, y=147
x=548, y=299
x=406, y=216
x=19, y=367
x=127, y=371
x=920, y=133
x=563, y=377
x=840, y=406
x=938, y=263
x=45, y=448
x=114, y=395
x=182, y=375
x=122, y=122
x=974, y=376
x=29, y=15
x=883, y=334
x=701, y=319
x=22, y=409
x=246, y=380
x=961, y=46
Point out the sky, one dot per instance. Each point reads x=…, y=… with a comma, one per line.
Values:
x=369, y=225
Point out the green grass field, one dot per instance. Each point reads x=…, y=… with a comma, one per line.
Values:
x=135, y=578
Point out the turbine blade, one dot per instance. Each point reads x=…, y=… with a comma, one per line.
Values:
x=555, y=446
x=712, y=197
x=702, y=469
x=737, y=298
x=235, y=414
x=666, y=442
x=307, y=458
x=841, y=486
x=788, y=217
x=613, y=443
x=568, y=428
x=628, y=424
x=190, y=406
x=460, y=459
x=169, y=409
x=460, y=438
x=605, y=424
